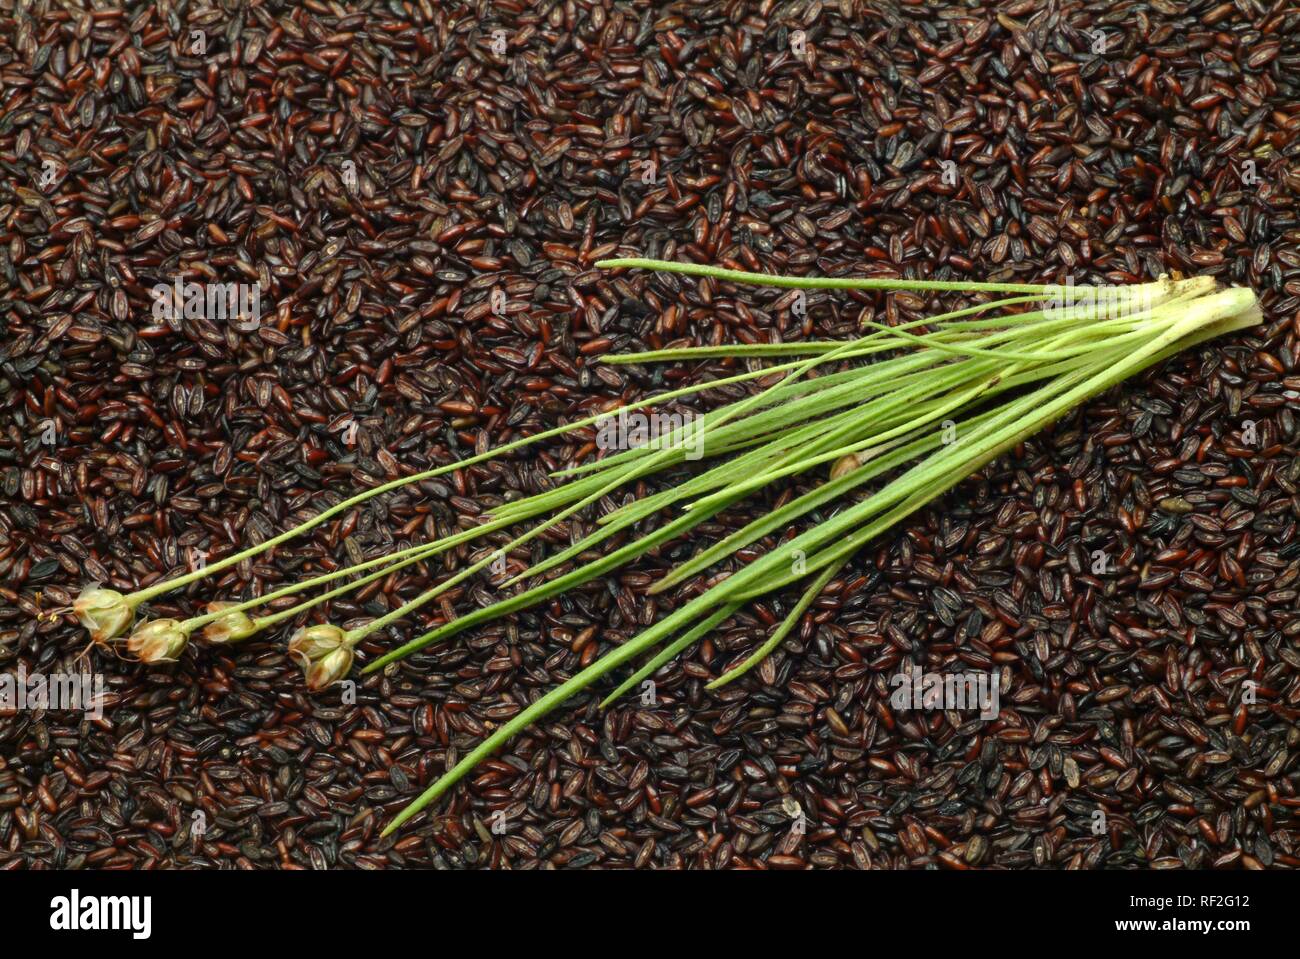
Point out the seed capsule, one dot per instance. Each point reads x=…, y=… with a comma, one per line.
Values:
x=231, y=627
x=105, y=613
x=329, y=669
x=312, y=643
x=158, y=641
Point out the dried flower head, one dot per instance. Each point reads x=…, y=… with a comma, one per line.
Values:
x=313, y=643
x=329, y=669
x=230, y=627
x=105, y=613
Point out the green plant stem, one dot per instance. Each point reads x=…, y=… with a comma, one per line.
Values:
x=692, y=636
x=534, y=711
x=791, y=620
x=264, y=622
x=150, y=592
x=816, y=282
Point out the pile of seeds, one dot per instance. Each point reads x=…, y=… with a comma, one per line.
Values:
x=381, y=176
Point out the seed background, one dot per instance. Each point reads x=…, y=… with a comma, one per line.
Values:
x=478, y=170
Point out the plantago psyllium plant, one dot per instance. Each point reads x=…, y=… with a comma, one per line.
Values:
x=885, y=423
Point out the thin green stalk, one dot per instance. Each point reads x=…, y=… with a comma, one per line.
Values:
x=815, y=454
x=791, y=620
x=541, y=592
x=706, y=625
x=816, y=282
x=786, y=514
x=646, y=466
x=543, y=705
x=165, y=586
x=263, y=622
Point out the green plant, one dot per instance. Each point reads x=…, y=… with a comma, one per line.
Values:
x=906, y=412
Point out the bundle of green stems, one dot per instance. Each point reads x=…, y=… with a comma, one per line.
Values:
x=882, y=425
